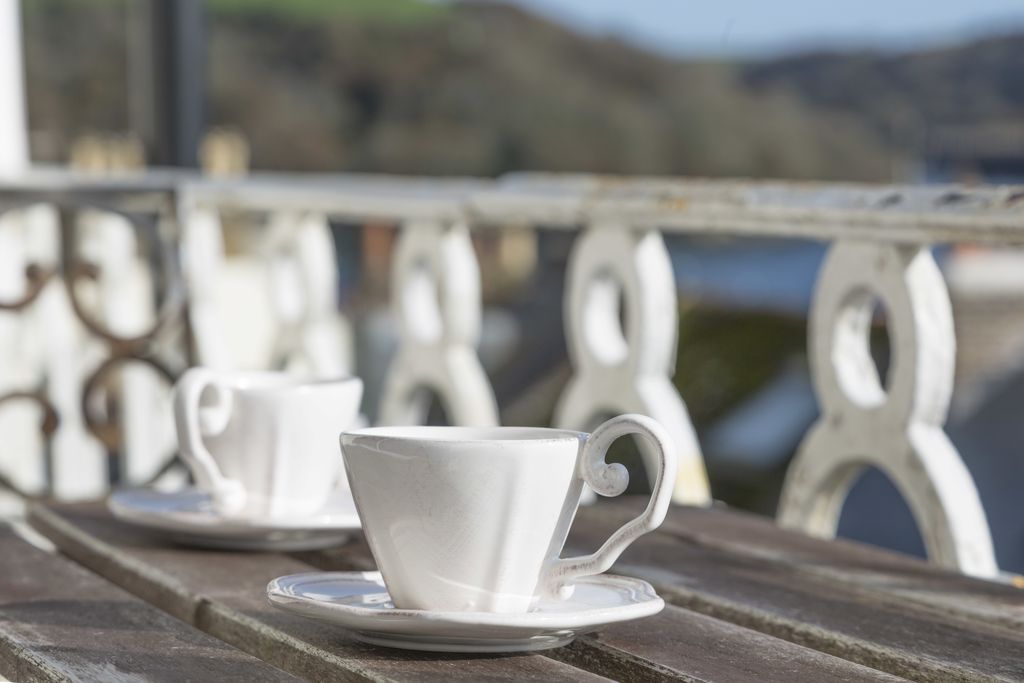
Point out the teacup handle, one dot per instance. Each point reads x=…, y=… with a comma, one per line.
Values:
x=611, y=480
x=192, y=424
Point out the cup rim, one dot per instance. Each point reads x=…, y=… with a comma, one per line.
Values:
x=462, y=435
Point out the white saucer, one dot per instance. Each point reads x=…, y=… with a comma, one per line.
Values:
x=359, y=602
x=188, y=517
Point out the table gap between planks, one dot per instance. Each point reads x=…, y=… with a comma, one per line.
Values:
x=747, y=601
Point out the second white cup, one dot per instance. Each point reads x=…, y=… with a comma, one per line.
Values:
x=264, y=444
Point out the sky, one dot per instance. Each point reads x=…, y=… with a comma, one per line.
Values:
x=743, y=28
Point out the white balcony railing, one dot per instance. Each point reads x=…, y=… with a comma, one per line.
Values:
x=123, y=273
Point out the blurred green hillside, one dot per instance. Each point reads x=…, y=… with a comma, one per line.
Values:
x=417, y=87
x=903, y=97
x=409, y=11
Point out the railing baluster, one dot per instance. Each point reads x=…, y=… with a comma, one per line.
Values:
x=203, y=257
x=297, y=250
x=435, y=292
x=899, y=429
x=627, y=370
x=303, y=284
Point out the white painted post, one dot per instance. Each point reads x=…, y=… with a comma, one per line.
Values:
x=627, y=370
x=896, y=429
x=14, y=155
x=435, y=290
x=17, y=421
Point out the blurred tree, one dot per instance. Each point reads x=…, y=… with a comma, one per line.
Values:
x=415, y=87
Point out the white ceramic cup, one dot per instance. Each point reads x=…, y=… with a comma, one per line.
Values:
x=474, y=519
x=263, y=444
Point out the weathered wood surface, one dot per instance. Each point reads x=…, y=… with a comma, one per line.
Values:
x=827, y=612
x=58, y=622
x=843, y=561
x=680, y=643
x=224, y=594
x=746, y=601
x=676, y=644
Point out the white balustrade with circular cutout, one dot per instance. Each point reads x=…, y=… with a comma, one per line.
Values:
x=896, y=428
x=312, y=335
x=435, y=287
x=621, y=327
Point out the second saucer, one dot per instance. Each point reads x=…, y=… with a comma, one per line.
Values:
x=189, y=517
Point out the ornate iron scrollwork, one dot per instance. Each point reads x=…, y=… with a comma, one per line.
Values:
x=99, y=248
x=37, y=277
x=47, y=426
x=76, y=270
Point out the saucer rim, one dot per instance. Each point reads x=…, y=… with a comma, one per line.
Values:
x=650, y=605
x=535, y=643
x=212, y=524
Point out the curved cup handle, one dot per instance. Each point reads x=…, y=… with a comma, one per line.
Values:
x=192, y=424
x=611, y=480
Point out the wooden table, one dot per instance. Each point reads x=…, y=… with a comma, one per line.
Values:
x=746, y=602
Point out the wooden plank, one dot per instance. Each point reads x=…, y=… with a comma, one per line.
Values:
x=685, y=645
x=58, y=621
x=901, y=576
x=223, y=593
x=677, y=644
x=855, y=622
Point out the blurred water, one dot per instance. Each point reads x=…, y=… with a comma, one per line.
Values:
x=766, y=275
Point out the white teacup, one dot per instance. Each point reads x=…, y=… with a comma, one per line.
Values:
x=474, y=519
x=263, y=444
